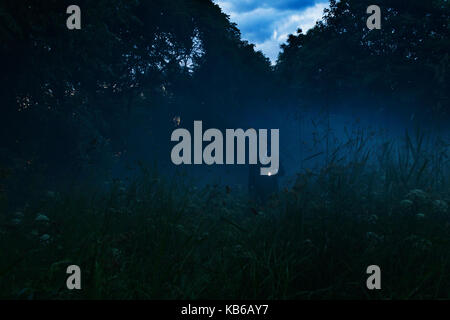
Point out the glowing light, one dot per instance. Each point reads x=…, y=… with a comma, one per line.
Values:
x=176, y=120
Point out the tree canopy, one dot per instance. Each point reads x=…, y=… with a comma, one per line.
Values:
x=403, y=64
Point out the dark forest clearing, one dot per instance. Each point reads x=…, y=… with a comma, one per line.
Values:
x=86, y=177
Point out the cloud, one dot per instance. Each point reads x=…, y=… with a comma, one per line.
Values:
x=250, y=5
x=267, y=24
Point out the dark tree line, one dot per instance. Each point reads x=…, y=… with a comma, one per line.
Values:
x=66, y=93
x=402, y=66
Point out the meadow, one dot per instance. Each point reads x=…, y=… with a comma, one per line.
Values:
x=154, y=237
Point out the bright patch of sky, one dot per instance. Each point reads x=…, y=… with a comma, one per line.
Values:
x=267, y=24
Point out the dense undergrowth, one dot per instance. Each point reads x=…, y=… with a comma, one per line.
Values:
x=155, y=238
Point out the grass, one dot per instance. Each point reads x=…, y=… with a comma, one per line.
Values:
x=155, y=238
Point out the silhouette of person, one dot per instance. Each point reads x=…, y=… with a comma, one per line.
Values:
x=261, y=188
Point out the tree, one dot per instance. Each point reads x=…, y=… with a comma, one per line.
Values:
x=404, y=64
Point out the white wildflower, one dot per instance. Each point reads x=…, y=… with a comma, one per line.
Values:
x=44, y=238
x=41, y=218
x=418, y=196
x=440, y=206
x=420, y=216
